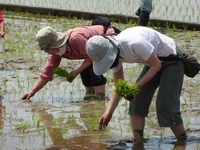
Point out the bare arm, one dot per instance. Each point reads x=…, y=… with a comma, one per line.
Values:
x=83, y=66
x=155, y=66
x=38, y=85
x=114, y=100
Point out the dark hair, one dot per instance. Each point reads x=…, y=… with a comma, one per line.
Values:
x=115, y=63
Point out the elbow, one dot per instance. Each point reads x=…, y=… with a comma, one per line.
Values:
x=158, y=66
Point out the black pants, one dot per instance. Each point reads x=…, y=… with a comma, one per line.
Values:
x=144, y=18
x=89, y=78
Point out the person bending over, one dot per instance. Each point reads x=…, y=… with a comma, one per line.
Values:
x=142, y=45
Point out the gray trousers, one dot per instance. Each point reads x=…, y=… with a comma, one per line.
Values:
x=169, y=80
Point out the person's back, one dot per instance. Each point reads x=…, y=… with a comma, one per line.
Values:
x=142, y=41
x=78, y=37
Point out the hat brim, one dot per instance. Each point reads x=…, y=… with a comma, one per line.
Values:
x=61, y=40
x=106, y=62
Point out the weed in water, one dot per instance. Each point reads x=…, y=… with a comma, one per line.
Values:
x=21, y=126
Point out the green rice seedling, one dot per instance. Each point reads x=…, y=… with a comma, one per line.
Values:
x=22, y=126
x=125, y=90
x=62, y=73
x=196, y=146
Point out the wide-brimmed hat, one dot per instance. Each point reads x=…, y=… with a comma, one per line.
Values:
x=48, y=38
x=103, y=51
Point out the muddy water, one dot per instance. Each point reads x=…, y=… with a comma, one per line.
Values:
x=57, y=117
x=179, y=10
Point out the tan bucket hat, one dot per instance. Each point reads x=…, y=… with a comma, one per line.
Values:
x=48, y=38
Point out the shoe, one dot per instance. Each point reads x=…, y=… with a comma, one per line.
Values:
x=137, y=13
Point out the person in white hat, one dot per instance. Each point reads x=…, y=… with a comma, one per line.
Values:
x=69, y=45
x=142, y=45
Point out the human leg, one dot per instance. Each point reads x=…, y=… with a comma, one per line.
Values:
x=168, y=98
x=144, y=18
x=93, y=84
x=138, y=109
x=100, y=91
x=179, y=132
x=89, y=90
x=137, y=124
x=144, y=12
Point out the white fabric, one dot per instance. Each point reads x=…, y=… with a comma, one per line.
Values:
x=118, y=67
x=138, y=43
x=62, y=50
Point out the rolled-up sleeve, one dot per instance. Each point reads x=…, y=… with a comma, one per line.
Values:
x=52, y=62
x=142, y=47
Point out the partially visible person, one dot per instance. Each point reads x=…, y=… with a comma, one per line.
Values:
x=106, y=22
x=2, y=113
x=70, y=45
x=143, y=12
x=2, y=25
x=142, y=45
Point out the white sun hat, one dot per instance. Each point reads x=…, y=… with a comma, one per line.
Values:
x=103, y=51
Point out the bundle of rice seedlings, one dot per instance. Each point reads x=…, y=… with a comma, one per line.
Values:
x=125, y=90
x=59, y=72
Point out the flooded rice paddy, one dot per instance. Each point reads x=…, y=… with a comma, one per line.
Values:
x=57, y=117
x=179, y=10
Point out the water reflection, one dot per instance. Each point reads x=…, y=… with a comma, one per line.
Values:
x=84, y=126
x=54, y=133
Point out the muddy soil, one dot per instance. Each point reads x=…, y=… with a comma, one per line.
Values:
x=58, y=116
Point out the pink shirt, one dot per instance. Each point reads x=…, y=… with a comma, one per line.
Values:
x=1, y=16
x=76, y=42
